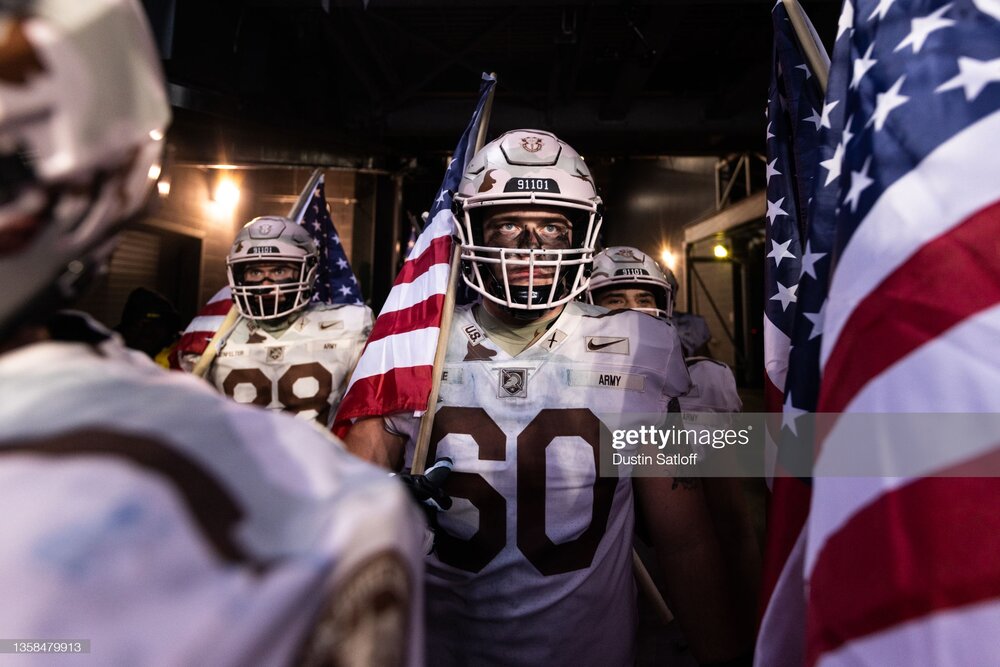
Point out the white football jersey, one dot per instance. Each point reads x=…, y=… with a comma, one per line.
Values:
x=534, y=566
x=304, y=370
x=169, y=525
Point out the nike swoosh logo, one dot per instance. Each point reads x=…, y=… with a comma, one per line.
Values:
x=326, y=325
x=591, y=346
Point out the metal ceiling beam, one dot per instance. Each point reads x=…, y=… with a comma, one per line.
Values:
x=452, y=58
x=648, y=47
x=374, y=52
x=430, y=45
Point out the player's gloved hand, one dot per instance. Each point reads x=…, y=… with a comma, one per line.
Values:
x=427, y=489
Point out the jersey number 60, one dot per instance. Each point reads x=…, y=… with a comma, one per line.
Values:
x=548, y=557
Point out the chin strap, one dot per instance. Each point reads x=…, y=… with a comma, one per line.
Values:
x=520, y=294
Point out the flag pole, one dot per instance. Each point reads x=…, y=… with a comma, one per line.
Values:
x=233, y=316
x=812, y=47
x=419, y=463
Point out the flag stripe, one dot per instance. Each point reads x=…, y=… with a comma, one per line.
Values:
x=203, y=323
x=441, y=226
x=217, y=306
x=437, y=251
x=919, y=642
x=923, y=306
x=916, y=209
x=781, y=621
x=396, y=389
x=789, y=496
x=919, y=555
x=419, y=316
x=419, y=347
x=406, y=295
x=776, y=344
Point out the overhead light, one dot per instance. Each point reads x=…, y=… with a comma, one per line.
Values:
x=227, y=193
x=163, y=186
x=720, y=251
x=669, y=259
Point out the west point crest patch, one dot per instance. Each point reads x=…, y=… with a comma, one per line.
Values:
x=276, y=353
x=513, y=383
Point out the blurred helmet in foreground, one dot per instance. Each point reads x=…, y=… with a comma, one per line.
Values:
x=83, y=112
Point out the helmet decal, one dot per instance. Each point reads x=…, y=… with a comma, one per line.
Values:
x=488, y=181
x=18, y=58
x=532, y=144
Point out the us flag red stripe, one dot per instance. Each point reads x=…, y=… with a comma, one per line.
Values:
x=904, y=570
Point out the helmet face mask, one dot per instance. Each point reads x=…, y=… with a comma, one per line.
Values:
x=272, y=240
x=623, y=267
x=524, y=172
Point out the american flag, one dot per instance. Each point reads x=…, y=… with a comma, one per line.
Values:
x=904, y=570
x=335, y=282
x=395, y=370
x=801, y=129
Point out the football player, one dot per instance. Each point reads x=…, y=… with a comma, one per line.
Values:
x=626, y=277
x=148, y=520
x=286, y=352
x=533, y=560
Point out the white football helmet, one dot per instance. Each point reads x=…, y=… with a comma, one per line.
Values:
x=527, y=168
x=83, y=112
x=629, y=268
x=272, y=239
